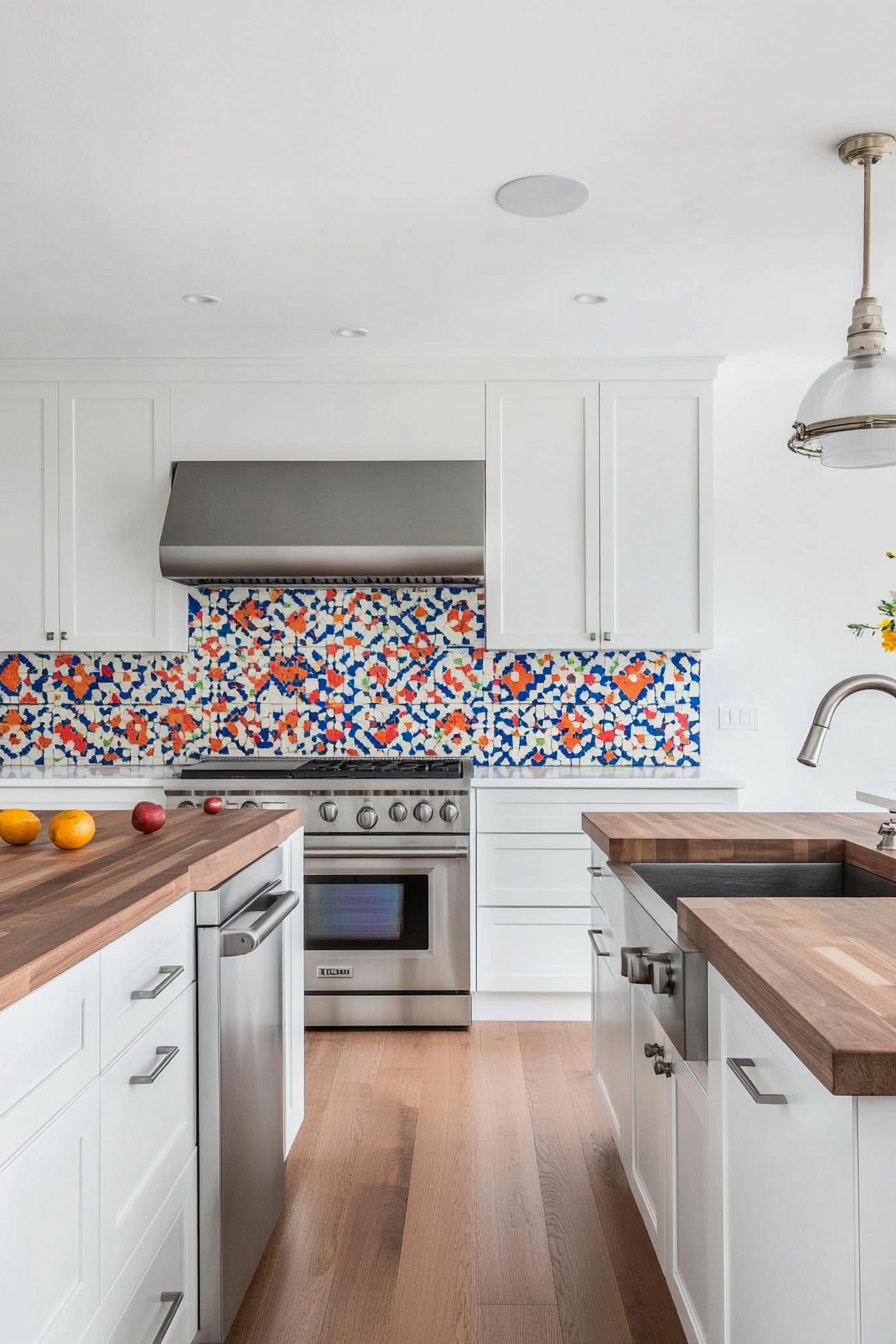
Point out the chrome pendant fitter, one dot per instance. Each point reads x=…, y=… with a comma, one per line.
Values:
x=387, y=879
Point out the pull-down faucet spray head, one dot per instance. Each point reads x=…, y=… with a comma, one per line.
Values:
x=811, y=749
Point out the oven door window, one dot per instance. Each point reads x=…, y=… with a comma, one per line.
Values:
x=382, y=913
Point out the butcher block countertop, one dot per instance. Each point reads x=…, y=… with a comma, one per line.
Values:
x=820, y=971
x=59, y=906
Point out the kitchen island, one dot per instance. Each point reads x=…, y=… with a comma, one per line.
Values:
x=766, y=1172
x=104, y=989
x=59, y=906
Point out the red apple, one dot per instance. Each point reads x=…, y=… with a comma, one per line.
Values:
x=148, y=817
x=213, y=805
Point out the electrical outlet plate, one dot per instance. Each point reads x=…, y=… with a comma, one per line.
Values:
x=739, y=718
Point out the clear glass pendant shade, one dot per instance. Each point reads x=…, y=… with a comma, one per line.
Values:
x=863, y=385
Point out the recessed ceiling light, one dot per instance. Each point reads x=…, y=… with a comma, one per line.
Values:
x=351, y=331
x=542, y=195
x=590, y=298
x=201, y=298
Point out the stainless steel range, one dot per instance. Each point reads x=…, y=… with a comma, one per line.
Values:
x=387, y=879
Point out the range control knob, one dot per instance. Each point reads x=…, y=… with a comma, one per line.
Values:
x=398, y=812
x=250, y=802
x=186, y=803
x=449, y=812
x=328, y=811
x=661, y=980
x=423, y=812
x=367, y=818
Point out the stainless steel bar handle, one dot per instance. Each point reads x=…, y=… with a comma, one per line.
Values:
x=312, y=854
x=170, y=973
x=167, y=1052
x=175, y=1299
x=238, y=942
x=737, y=1067
x=595, y=944
x=596, y=872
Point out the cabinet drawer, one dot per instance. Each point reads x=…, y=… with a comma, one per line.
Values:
x=544, y=950
x=145, y=962
x=49, y=1230
x=558, y=810
x=532, y=870
x=149, y=1130
x=164, y=1265
x=49, y=1051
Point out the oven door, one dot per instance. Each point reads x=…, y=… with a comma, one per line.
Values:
x=387, y=918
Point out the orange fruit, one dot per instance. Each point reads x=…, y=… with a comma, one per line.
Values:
x=71, y=830
x=17, y=826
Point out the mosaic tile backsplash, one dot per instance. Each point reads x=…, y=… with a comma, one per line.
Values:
x=349, y=671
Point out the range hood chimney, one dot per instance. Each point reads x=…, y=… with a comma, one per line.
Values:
x=315, y=524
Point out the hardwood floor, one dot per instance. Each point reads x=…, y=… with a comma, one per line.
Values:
x=456, y=1188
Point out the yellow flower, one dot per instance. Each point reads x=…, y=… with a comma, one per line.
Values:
x=888, y=636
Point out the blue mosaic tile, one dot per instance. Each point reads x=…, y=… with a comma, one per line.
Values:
x=24, y=678
x=26, y=734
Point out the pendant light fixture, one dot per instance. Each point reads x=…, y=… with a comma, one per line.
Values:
x=848, y=416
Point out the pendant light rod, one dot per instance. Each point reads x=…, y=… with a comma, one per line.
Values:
x=866, y=235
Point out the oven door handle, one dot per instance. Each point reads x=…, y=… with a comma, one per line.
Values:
x=367, y=854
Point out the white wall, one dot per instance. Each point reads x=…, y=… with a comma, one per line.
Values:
x=800, y=551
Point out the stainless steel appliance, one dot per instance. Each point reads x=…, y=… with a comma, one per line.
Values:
x=312, y=522
x=387, y=878
x=240, y=1054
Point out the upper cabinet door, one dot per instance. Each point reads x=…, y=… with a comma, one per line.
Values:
x=656, y=515
x=29, y=507
x=115, y=459
x=542, y=509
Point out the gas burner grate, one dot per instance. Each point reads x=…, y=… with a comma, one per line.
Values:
x=325, y=767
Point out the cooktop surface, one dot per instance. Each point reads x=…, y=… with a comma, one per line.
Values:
x=325, y=767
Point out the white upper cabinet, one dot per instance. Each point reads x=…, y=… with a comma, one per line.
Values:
x=29, y=505
x=598, y=515
x=347, y=420
x=114, y=479
x=542, y=509
x=655, y=515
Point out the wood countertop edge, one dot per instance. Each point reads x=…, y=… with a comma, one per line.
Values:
x=849, y=1070
x=22, y=980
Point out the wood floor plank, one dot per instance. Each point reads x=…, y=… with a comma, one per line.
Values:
x=288, y=1297
x=588, y=1299
x=519, y=1325
x=435, y=1294
x=513, y=1262
x=649, y=1309
x=359, y=1304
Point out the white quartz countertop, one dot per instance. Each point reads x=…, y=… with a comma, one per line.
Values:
x=601, y=777
x=484, y=777
x=110, y=776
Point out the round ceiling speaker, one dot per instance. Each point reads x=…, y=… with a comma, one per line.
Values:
x=542, y=195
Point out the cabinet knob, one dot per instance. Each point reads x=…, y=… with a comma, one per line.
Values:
x=654, y=1051
x=51, y=634
x=593, y=636
x=608, y=635
x=661, y=981
x=63, y=634
x=662, y=1068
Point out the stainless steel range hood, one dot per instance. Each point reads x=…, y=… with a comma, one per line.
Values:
x=320, y=523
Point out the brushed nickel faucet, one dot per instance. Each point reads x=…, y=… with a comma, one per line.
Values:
x=830, y=703
x=824, y=715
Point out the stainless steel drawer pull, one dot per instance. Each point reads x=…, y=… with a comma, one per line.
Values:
x=595, y=944
x=737, y=1067
x=175, y=1299
x=170, y=973
x=168, y=1052
x=596, y=872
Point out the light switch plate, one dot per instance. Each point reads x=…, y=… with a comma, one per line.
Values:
x=740, y=718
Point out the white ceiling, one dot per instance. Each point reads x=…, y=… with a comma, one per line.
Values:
x=324, y=163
